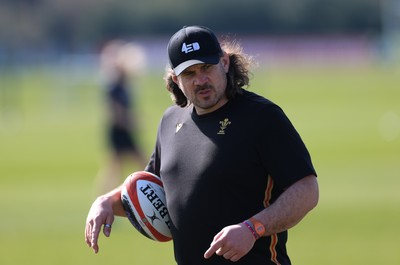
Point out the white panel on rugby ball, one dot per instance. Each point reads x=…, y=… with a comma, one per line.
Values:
x=143, y=198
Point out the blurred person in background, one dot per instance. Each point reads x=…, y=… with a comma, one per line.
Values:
x=236, y=173
x=120, y=64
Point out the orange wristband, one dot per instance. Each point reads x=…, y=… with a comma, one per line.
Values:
x=259, y=228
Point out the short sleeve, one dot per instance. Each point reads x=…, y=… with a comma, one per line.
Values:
x=283, y=151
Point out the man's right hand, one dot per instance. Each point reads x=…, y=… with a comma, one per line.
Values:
x=101, y=214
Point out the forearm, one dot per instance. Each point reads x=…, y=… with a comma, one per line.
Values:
x=291, y=206
x=235, y=241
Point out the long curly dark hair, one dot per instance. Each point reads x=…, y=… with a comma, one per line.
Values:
x=237, y=76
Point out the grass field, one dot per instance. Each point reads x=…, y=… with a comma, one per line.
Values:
x=51, y=147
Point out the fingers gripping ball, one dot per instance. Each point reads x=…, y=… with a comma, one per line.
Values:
x=143, y=199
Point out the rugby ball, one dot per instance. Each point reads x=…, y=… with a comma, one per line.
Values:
x=143, y=199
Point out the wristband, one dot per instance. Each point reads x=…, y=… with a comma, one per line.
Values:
x=250, y=227
x=258, y=227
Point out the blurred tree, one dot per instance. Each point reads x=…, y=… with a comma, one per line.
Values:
x=71, y=24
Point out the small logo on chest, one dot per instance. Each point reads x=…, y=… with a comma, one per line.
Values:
x=178, y=127
x=223, y=126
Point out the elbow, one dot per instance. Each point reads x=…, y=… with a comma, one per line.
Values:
x=314, y=192
x=309, y=192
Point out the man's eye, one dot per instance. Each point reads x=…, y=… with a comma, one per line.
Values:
x=187, y=73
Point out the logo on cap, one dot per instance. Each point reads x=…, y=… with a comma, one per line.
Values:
x=186, y=48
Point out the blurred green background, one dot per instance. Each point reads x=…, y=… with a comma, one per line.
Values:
x=52, y=147
x=333, y=69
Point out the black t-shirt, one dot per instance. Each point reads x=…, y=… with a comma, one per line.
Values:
x=223, y=167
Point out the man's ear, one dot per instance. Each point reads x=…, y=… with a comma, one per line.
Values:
x=175, y=79
x=225, y=62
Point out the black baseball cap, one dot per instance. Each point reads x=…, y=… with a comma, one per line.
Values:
x=193, y=45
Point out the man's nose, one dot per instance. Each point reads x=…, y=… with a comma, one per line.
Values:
x=200, y=79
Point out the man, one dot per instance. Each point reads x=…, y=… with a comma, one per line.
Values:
x=236, y=173
x=117, y=72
